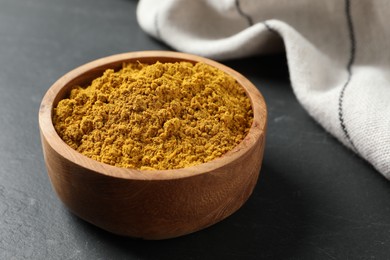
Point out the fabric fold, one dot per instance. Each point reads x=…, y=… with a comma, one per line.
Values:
x=336, y=52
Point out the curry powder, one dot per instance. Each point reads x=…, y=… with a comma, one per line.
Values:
x=158, y=116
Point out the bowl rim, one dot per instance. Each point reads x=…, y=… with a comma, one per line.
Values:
x=49, y=133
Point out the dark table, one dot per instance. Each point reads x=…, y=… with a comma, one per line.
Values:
x=315, y=198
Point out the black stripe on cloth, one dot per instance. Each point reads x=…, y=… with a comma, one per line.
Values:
x=157, y=26
x=351, y=60
x=243, y=14
x=269, y=28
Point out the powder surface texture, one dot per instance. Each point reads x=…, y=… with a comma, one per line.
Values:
x=158, y=116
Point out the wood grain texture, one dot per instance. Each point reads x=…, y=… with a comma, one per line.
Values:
x=154, y=204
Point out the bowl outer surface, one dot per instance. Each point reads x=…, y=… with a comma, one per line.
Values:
x=150, y=204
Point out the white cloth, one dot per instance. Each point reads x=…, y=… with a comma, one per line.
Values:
x=337, y=51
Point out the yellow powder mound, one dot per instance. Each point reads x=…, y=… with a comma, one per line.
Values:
x=159, y=116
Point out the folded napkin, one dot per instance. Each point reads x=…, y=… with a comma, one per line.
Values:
x=337, y=54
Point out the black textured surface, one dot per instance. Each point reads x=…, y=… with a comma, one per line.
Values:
x=315, y=199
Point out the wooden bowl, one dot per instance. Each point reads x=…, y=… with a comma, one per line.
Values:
x=150, y=204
